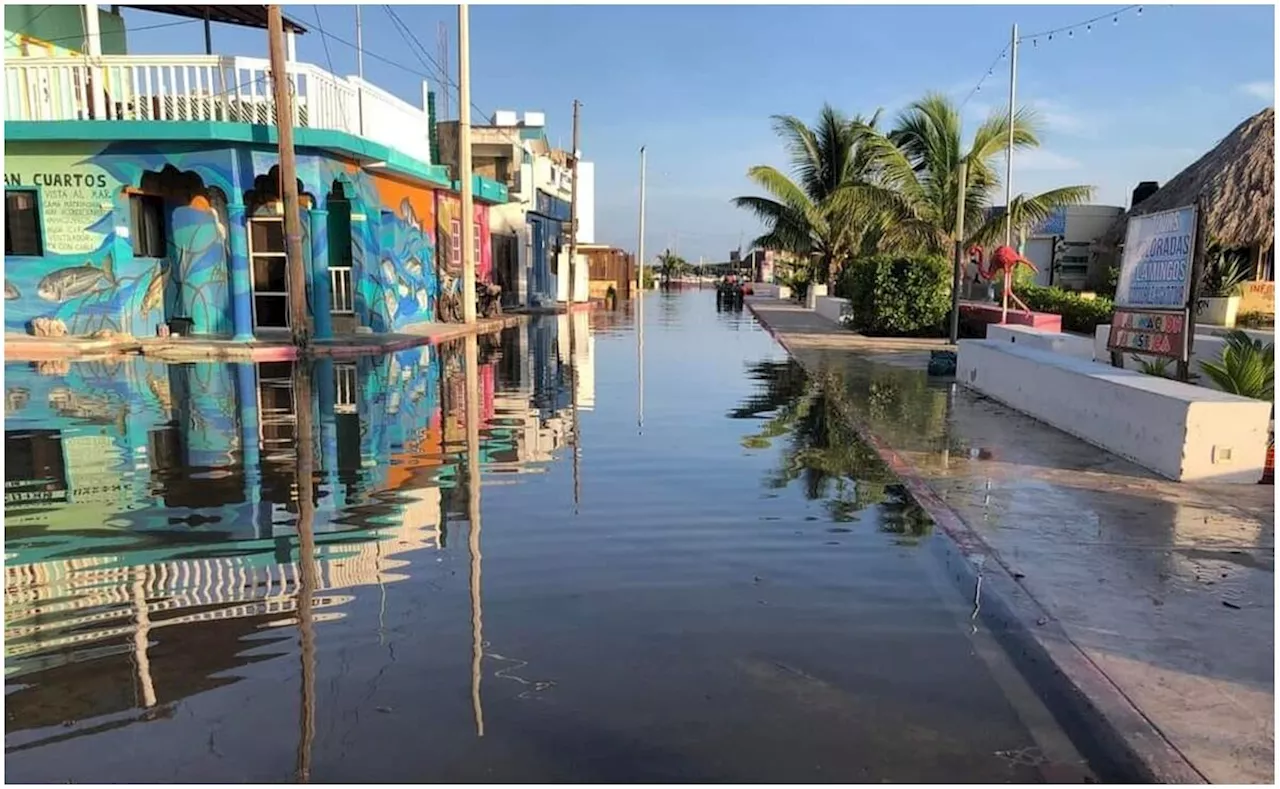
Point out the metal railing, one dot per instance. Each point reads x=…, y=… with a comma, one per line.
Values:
x=341, y=300
x=206, y=88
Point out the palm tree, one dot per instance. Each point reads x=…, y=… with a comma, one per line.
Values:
x=672, y=265
x=916, y=172
x=817, y=214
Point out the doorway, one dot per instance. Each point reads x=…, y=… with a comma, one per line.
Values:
x=270, y=266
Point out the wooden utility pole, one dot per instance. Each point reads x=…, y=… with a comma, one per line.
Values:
x=464, y=166
x=956, y=276
x=297, y=273
x=573, y=214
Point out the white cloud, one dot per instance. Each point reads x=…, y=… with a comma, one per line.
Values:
x=1040, y=160
x=1062, y=119
x=1263, y=89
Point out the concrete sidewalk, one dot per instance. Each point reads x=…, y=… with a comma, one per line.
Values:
x=1153, y=599
x=263, y=349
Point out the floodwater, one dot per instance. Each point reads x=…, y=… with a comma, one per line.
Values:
x=679, y=566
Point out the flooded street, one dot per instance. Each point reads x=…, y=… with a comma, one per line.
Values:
x=705, y=579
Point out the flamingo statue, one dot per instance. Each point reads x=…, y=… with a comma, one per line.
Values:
x=1005, y=259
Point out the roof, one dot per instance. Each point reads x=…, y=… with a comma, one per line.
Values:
x=1236, y=180
x=242, y=15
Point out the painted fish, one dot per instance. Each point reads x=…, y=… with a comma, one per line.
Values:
x=413, y=267
x=75, y=281
x=422, y=298
x=11, y=292
x=391, y=303
x=388, y=270
x=153, y=299
x=402, y=287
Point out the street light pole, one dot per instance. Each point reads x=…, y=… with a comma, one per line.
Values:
x=464, y=166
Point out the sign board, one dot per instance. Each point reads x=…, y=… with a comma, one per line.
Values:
x=1150, y=332
x=1157, y=283
x=1156, y=269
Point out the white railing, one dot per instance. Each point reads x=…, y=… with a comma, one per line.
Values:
x=207, y=88
x=341, y=300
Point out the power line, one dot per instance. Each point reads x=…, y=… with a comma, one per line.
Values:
x=129, y=30
x=1047, y=35
x=323, y=40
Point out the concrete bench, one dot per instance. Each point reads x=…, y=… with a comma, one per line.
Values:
x=831, y=307
x=1180, y=431
x=1073, y=345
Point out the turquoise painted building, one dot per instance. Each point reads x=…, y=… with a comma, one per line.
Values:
x=141, y=194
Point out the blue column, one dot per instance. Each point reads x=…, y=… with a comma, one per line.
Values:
x=247, y=395
x=320, y=274
x=241, y=277
x=363, y=251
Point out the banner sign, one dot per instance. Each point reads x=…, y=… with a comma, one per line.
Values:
x=1150, y=332
x=1156, y=269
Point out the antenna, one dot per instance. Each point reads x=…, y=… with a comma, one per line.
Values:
x=442, y=38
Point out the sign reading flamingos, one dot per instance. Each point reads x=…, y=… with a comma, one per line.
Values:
x=1159, y=249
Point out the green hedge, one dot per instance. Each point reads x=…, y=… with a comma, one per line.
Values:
x=1078, y=314
x=898, y=295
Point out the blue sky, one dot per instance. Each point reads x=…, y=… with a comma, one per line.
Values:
x=696, y=84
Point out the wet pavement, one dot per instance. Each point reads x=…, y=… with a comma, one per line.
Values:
x=706, y=577
x=1167, y=588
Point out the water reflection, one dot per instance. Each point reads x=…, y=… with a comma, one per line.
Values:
x=822, y=449
x=149, y=504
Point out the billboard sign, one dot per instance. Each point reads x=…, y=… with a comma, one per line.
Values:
x=1156, y=269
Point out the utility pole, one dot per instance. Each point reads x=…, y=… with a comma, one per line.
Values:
x=640, y=250
x=360, y=71
x=464, y=166
x=957, y=275
x=573, y=214
x=297, y=275
x=1008, y=170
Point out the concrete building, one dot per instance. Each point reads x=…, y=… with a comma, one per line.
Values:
x=1060, y=247
x=531, y=230
x=143, y=191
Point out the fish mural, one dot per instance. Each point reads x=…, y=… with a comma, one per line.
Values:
x=75, y=281
x=404, y=290
x=10, y=292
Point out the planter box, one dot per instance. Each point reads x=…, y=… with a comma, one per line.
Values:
x=1218, y=311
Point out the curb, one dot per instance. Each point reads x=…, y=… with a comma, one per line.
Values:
x=1099, y=717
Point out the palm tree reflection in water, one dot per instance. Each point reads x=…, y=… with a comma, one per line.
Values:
x=824, y=451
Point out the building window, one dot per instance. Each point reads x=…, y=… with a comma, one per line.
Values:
x=146, y=225
x=455, y=242
x=22, y=223
x=475, y=243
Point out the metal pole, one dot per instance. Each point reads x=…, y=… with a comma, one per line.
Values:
x=464, y=166
x=959, y=262
x=208, y=34
x=1008, y=164
x=472, y=373
x=640, y=304
x=1008, y=169
x=297, y=274
x=573, y=214
x=360, y=71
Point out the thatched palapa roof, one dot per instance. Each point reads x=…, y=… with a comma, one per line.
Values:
x=1237, y=182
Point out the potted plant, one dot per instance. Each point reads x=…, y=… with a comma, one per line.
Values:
x=1224, y=277
x=1247, y=367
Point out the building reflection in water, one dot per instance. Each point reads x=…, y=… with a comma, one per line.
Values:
x=146, y=502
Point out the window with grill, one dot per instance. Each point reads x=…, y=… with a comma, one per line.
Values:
x=455, y=242
x=22, y=223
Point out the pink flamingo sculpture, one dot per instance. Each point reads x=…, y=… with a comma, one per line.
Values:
x=1005, y=259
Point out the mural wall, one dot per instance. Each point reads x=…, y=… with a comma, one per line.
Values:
x=449, y=230
x=89, y=278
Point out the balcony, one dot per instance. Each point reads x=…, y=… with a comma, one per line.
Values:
x=209, y=88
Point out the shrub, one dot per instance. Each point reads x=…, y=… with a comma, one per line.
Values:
x=898, y=295
x=1247, y=367
x=1078, y=313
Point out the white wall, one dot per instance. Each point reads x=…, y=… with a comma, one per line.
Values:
x=586, y=202
x=1058, y=342
x=1180, y=431
x=831, y=307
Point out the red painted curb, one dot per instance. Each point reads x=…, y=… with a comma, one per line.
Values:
x=1128, y=731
